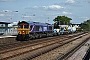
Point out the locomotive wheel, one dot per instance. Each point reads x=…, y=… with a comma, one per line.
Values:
x=47, y=34
x=52, y=34
x=27, y=37
x=33, y=37
x=40, y=35
x=36, y=35
x=30, y=36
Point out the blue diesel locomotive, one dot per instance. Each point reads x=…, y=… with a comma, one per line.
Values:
x=32, y=30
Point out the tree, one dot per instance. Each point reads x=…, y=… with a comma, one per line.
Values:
x=86, y=25
x=61, y=20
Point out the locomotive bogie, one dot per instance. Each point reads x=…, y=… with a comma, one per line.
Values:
x=22, y=37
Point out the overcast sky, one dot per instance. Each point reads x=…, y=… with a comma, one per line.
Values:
x=44, y=10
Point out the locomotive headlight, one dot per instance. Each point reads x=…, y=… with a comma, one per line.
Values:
x=23, y=31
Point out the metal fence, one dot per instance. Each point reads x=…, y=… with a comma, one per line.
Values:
x=11, y=31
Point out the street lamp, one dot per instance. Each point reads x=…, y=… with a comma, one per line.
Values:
x=15, y=11
x=11, y=13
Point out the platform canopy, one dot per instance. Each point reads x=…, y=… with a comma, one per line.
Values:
x=4, y=23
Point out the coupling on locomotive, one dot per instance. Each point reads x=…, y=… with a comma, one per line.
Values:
x=32, y=30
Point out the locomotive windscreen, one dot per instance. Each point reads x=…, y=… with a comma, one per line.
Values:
x=20, y=26
x=26, y=26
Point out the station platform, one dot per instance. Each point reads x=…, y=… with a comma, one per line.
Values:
x=80, y=54
x=8, y=36
x=7, y=39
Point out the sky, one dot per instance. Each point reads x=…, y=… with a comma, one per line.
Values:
x=44, y=10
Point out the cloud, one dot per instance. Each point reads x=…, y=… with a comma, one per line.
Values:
x=35, y=7
x=66, y=12
x=6, y=15
x=50, y=7
x=6, y=0
x=70, y=1
x=53, y=7
x=27, y=16
x=85, y=18
x=9, y=15
x=73, y=3
x=2, y=14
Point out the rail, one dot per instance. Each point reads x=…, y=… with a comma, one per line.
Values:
x=55, y=46
x=87, y=55
x=69, y=53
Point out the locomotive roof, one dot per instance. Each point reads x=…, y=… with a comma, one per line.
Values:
x=34, y=23
x=38, y=23
x=22, y=22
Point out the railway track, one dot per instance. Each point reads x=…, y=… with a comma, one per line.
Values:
x=24, y=43
x=50, y=49
x=51, y=43
x=73, y=50
x=19, y=43
x=36, y=46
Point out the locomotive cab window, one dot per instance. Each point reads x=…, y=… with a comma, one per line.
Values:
x=20, y=26
x=26, y=26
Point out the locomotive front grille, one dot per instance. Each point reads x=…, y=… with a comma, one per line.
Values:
x=23, y=31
